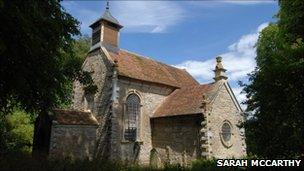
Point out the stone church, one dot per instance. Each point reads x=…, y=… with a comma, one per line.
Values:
x=145, y=111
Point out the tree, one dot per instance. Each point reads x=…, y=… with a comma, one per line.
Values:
x=37, y=62
x=18, y=127
x=80, y=48
x=35, y=48
x=275, y=92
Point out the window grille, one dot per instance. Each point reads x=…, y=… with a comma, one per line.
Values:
x=131, y=117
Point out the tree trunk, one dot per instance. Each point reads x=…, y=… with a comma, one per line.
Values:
x=42, y=133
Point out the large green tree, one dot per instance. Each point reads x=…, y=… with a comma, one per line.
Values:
x=37, y=61
x=17, y=136
x=276, y=89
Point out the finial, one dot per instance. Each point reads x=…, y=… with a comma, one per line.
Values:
x=108, y=5
x=218, y=59
x=219, y=70
x=219, y=64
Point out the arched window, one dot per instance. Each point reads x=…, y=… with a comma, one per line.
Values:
x=131, y=117
x=226, y=132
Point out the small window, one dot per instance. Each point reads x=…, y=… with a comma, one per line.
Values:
x=226, y=132
x=131, y=117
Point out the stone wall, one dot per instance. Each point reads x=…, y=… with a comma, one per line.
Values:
x=74, y=141
x=99, y=103
x=151, y=96
x=176, y=139
x=224, y=109
x=101, y=69
x=183, y=132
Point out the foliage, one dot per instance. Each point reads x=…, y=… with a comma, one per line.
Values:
x=80, y=48
x=18, y=133
x=18, y=128
x=276, y=93
x=210, y=164
x=39, y=60
x=26, y=162
x=35, y=48
x=204, y=164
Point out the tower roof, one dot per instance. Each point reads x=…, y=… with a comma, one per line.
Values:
x=107, y=16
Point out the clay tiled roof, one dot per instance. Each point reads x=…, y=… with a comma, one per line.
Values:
x=74, y=117
x=143, y=68
x=184, y=101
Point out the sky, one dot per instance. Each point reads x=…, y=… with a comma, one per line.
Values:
x=188, y=34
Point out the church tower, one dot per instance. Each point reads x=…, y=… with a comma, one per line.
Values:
x=105, y=31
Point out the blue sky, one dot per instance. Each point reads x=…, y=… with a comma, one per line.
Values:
x=187, y=34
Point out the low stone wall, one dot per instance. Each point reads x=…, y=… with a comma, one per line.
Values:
x=175, y=139
x=74, y=141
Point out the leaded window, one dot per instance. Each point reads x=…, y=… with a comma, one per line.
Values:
x=131, y=117
x=226, y=132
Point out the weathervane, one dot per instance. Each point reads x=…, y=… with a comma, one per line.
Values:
x=108, y=4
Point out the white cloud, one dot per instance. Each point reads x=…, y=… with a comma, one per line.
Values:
x=201, y=70
x=239, y=61
x=140, y=16
x=241, y=97
x=147, y=16
x=262, y=26
x=135, y=16
x=248, y=2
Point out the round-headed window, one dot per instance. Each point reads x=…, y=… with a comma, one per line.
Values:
x=226, y=132
x=131, y=117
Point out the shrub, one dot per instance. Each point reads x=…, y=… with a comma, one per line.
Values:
x=18, y=134
x=210, y=164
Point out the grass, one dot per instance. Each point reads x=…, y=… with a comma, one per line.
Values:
x=26, y=162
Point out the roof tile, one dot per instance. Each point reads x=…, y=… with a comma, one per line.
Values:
x=74, y=117
x=142, y=68
x=184, y=101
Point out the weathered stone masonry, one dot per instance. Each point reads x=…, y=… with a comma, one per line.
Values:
x=176, y=139
x=173, y=120
x=151, y=96
x=73, y=141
